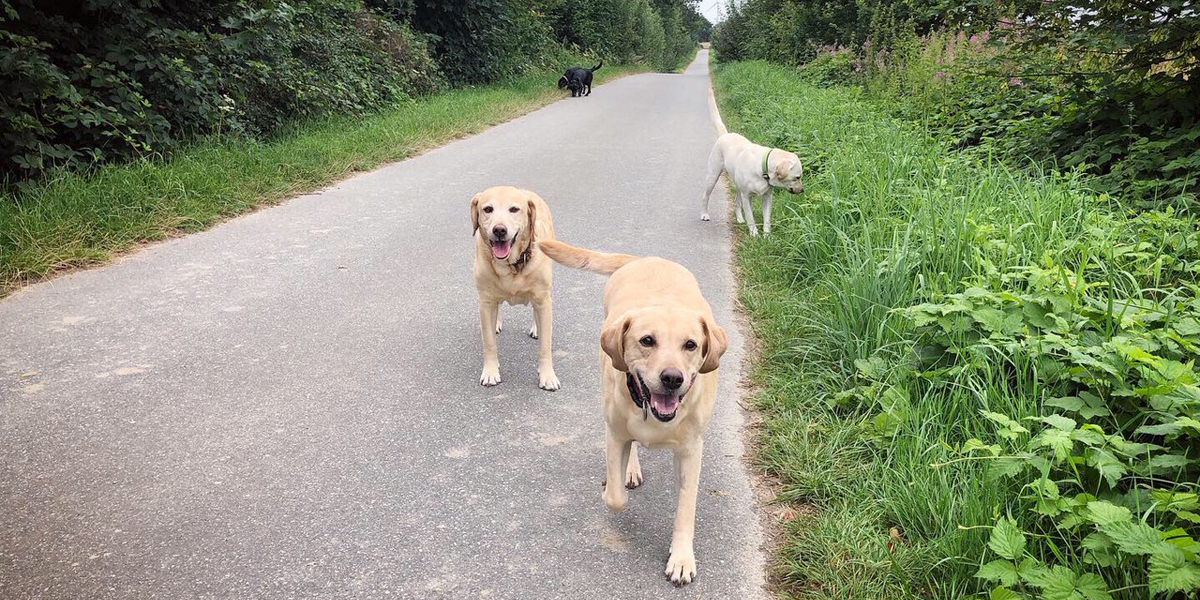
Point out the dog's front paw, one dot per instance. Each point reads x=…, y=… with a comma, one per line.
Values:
x=490, y=376
x=547, y=380
x=533, y=331
x=633, y=476
x=704, y=217
x=499, y=325
x=681, y=567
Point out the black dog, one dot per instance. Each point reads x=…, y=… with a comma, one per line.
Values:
x=578, y=78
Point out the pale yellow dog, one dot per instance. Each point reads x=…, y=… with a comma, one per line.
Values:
x=661, y=349
x=507, y=221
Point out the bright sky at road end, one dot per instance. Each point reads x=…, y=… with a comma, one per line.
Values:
x=713, y=10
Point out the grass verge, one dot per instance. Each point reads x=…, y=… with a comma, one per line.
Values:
x=911, y=292
x=74, y=220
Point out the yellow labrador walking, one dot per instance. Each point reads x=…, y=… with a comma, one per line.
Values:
x=661, y=349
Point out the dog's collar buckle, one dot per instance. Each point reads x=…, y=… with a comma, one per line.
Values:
x=765, y=174
x=524, y=258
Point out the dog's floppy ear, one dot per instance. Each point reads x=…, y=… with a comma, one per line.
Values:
x=782, y=169
x=531, y=206
x=714, y=346
x=475, y=214
x=612, y=340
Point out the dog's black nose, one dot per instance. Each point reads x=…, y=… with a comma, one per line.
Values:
x=499, y=232
x=671, y=379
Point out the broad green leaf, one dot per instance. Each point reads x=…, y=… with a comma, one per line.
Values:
x=1189, y=423
x=1170, y=571
x=1059, y=584
x=1103, y=512
x=1003, y=593
x=1057, y=440
x=1004, y=421
x=1030, y=568
x=1133, y=537
x=1007, y=539
x=1005, y=467
x=999, y=570
x=1092, y=587
x=872, y=368
x=1187, y=326
x=1059, y=422
x=1169, y=461
x=1101, y=550
x=1108, y=466
x=895, y=401
x=1164, y=429
x=974, y=444
x=1071, y=403
x=1096, y=542
x=992, y=319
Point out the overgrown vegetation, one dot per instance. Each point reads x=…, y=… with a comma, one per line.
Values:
x=75, y=219
x=124, y=121
x=106, y=80
x=1108, y=88
x=983, y=378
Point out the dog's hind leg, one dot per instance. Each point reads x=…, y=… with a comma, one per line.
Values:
x=766, y=204
x=543, y=317
x=715, y=166
x=489, y=317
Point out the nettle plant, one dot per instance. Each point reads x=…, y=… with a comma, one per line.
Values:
x=1103, y=355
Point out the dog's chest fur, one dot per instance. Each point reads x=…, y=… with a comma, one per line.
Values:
x=513, y=286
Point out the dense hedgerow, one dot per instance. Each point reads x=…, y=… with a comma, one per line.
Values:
x=92, y=82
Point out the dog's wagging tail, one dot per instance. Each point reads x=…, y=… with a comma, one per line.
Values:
x=582, y=258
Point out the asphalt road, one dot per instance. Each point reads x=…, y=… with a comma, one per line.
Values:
x=288, y=406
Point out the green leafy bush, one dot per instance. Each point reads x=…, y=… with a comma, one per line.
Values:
x=108, y=79
x=1106, y=471
x=832, y=66
x=948, y=341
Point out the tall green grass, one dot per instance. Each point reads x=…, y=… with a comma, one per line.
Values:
x=75, y=220
x=890, y=218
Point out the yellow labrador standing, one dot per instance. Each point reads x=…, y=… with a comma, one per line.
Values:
x=509, y=268
x=661, y=349
x=754, y=170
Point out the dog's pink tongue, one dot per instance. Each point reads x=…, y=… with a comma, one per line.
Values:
x=500, y=249
x=664, y=404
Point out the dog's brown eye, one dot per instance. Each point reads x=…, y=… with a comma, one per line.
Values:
x=513, y=209
x=487, y=209
x=689, y=345
x=646, y=341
